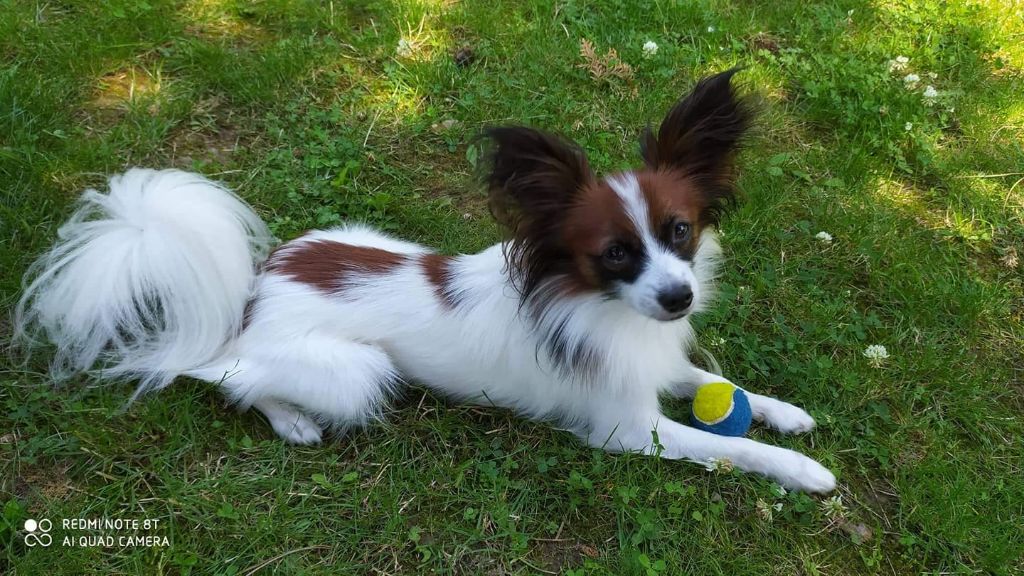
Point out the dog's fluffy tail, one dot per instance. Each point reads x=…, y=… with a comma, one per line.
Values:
x=146, y=281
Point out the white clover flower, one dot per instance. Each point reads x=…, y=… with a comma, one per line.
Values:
x=933, y=75
x=876, y=354
x=404, y=48
x=908, y=126
x=718, y=465
x=834, y=507
x=899, y=64
x=650, y=48
x=911, y=80
x=824, y=237
x=930, y=94
x=711, y=29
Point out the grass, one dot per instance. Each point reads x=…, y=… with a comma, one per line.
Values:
x=319, y=113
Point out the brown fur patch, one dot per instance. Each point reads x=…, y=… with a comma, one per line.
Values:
x=438, y=271
x=249, y=312
x=670, y=195
x=328, y=265
x=596, y=219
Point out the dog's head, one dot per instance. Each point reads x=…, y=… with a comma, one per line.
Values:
x=644, y=236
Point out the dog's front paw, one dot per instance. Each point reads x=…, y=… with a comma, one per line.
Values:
x=816, y=478
x=806, y=475
x=784, y=417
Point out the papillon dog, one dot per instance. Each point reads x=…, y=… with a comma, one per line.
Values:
x=580, y=318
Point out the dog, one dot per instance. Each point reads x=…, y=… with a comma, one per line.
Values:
x=580, y=318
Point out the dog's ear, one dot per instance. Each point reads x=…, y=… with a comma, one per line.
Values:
x=700, y=135
x=533, y=178
x=532, y=175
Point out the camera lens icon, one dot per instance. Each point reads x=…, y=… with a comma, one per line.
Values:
x=42, y=538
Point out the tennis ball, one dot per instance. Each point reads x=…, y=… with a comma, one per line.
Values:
x=721, y=408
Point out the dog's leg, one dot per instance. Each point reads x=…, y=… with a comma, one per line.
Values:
x=636, y=431
x=782, y=416
x=340, y=382
x=289, y=423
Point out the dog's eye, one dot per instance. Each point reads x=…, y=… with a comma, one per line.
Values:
x=680, y=231
x=615, y=254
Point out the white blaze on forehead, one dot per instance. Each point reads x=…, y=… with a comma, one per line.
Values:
x=627, y=188
x=664, y=268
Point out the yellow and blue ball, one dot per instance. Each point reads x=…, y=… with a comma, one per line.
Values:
x=721, y=408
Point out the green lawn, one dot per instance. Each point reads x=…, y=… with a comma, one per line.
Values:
x=322, y=112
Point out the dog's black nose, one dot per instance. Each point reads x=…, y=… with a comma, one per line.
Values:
x=676, y=299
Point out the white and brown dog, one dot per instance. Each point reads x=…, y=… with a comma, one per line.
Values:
x=580, y=318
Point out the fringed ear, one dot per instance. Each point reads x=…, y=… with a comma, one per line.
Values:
x=702, y=132
x=532, y=179
x=531, y=173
